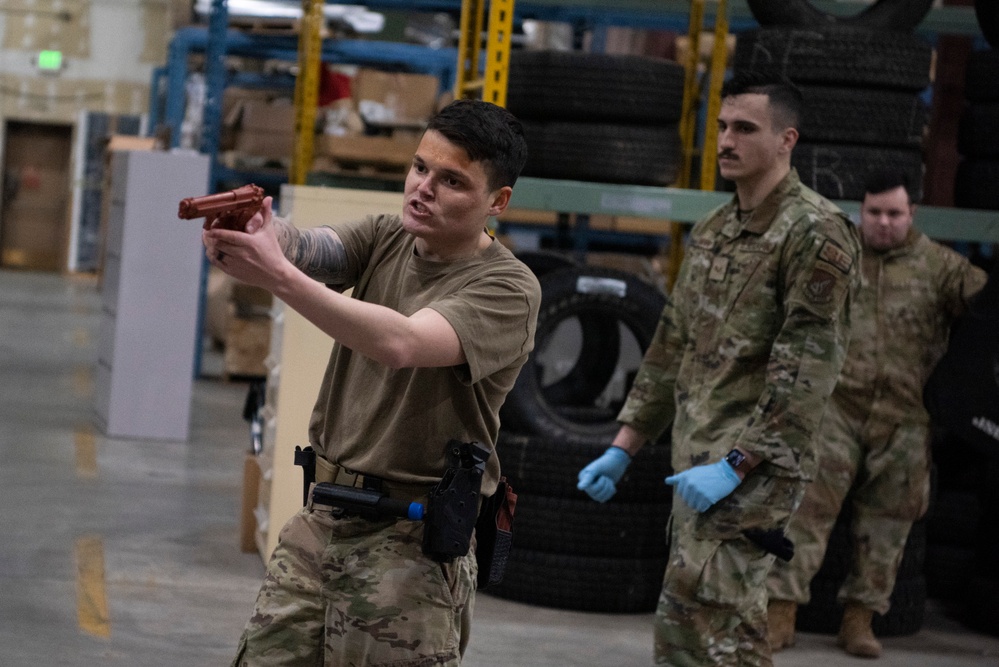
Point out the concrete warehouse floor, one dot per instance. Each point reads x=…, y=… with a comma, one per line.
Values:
x=120, y=552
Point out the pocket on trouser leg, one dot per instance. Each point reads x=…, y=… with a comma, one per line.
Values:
x=286, y=627
x=393, y=606
x=899, y=475
x=712, y=610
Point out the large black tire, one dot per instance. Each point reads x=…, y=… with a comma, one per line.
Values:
x=595, y=87
x=599, y=343
x=607, y=585
x=862, y=116
x=955, y=518
x=569, y=294
x=978, y=133
x=948, y=571
x=541, y=262
x=828, y=56
x=883, y=15
x=975, y=184
x=987, y=12
x=587, y=528
x=548, y=467
x=981, y=78
x=981, y=604
x=837, y=171
x=604, y=153
x=962, y=393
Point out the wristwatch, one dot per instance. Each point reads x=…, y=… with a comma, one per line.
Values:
x=738, y=461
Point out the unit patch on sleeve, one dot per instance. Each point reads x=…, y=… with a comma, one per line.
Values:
x=819, y=288
x=832, y=253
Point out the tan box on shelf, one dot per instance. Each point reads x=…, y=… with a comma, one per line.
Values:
x=266, y=128
x=394, y=151
x=411, y=97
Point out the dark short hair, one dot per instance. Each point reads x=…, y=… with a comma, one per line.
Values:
x=881, y=180
x=489, y=134
x=785, y=97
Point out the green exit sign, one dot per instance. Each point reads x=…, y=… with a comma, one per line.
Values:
x=50, y=61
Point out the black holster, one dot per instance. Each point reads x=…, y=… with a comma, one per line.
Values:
x=453, y=505
x=307, y=459
x=772, y=541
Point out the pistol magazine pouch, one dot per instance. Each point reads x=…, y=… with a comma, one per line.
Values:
x=494, y=534
x=454, y=502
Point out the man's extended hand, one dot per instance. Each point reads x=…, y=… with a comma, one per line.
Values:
x=599, y=479
x=703, y=486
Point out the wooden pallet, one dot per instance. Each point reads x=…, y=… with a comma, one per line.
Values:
x=360, y=169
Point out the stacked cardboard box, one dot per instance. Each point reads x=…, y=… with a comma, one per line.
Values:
x=394, y=108
x=266, y=128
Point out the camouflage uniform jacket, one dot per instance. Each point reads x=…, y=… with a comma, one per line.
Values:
x=901, y=323
x=753, y=335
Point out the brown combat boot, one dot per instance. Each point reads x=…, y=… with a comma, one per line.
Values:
x=780, y=623
x=855, y=635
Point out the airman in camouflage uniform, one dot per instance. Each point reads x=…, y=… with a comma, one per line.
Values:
x=746, y=354
x=874, y=438
x=440, y=319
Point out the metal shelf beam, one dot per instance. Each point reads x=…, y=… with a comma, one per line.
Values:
x=672, y=14
x=688, y=206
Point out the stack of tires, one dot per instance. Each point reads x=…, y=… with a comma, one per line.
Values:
x=598, y=117
x=861, y=78
x=570, y=552
x=962, y=396
x=978, y=134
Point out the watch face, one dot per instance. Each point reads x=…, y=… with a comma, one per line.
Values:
x=735, y=458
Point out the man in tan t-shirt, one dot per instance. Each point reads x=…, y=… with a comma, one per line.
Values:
x=440, y=319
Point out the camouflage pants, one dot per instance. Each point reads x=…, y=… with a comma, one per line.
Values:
x=713, y=605
x=882, y=467
x=347, y=592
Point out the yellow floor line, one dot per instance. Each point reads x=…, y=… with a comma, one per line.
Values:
x=91, y=596
x=85, y=444
x=83, y=381
x=81, y=337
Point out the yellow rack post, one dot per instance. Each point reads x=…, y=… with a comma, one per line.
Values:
x=498, y=51
x=310, y=42
x=469, y=84
x=688, y=130
x=719, y=55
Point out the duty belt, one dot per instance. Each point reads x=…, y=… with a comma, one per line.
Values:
x=334, y=474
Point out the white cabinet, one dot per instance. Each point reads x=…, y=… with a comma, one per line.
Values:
x=149, y=296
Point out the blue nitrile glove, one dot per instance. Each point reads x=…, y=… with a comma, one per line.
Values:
x=600, y=477
x=703, y=486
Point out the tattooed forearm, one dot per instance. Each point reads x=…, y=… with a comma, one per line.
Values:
x=321, y=255
x=318, y=252
x=287, y=236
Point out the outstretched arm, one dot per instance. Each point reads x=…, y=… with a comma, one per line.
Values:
x=272, y=255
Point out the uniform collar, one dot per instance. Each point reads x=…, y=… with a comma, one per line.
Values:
x=762, y=217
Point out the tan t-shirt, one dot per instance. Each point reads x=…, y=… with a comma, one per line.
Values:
x=395, y=424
